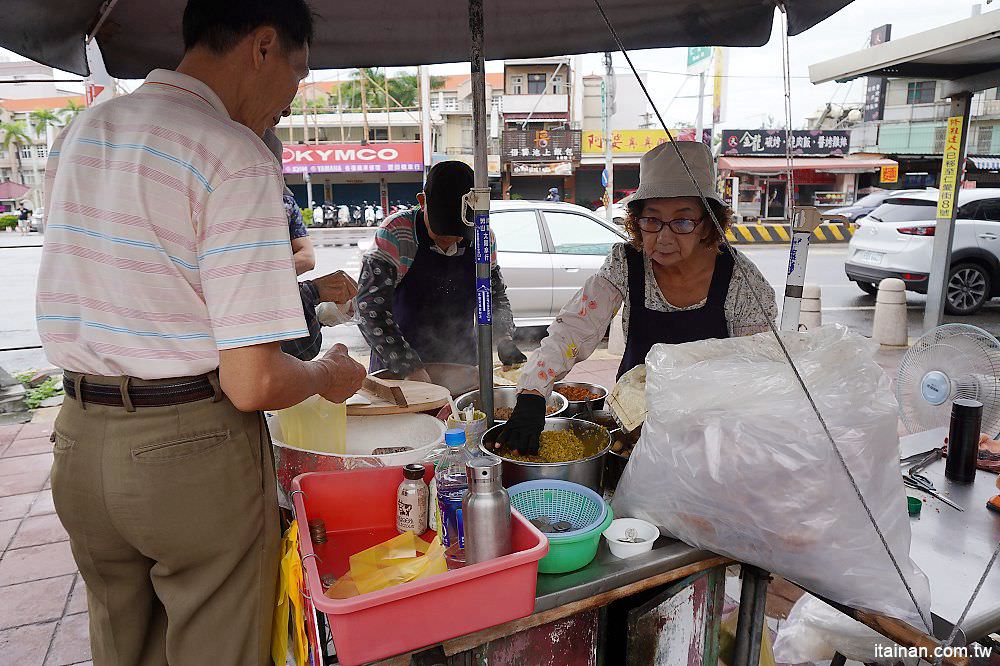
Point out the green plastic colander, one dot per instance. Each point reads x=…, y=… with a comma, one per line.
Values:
x=578, y=505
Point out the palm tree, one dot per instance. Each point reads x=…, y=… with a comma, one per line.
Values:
x=13, y=135
x=43, y=120
x=71, y=111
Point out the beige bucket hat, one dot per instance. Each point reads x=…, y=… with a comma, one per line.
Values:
x=661, y=174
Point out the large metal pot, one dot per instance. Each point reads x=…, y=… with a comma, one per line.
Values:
x=455, y=377
x=506, y=396
x=614, y=463
x=588, y=471
x=575, y=407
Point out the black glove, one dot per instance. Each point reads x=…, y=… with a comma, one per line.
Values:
x=525, y=424
x=509, y=353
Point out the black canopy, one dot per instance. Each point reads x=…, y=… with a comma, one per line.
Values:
x=140, y=35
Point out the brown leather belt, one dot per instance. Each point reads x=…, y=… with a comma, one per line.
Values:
x=155, y=395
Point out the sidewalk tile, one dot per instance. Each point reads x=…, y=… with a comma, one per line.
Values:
x=24, y=474
x=27, y=447
x=31, y=430
x=37, y=601
x=9, y=432
x=78, y=598
x=39, y=530
x=26, y=646
x=16, y=506
x=43, y=504
x=7, y=529
x=27, y=564
x=72, y=641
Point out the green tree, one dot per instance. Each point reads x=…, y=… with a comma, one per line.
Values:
x=403, y=89
x=43, y=119
x=13, y=135
x=71, y=111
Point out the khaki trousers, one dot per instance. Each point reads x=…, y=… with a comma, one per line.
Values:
x=173, y=520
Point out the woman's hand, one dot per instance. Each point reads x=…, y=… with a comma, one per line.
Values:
x=525, y=424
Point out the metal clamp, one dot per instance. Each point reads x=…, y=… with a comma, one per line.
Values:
x=476, y=200
x=291, y=495
x=807, y=218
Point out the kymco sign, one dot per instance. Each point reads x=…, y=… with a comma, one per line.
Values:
x=352, y=157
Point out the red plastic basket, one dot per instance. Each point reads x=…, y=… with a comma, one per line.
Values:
x=359, y=509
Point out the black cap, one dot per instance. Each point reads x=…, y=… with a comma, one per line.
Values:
x=413, y=471
x=447, y=182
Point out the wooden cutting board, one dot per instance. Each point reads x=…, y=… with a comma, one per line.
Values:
x=420, y=397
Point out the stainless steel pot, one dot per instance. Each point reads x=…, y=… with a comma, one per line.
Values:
x=506, y=396
x=588, y=471
x=575, y=407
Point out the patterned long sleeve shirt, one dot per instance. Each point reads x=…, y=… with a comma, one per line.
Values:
x=384, y=267
x=581, y=324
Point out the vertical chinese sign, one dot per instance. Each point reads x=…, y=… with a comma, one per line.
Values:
x=950, y=168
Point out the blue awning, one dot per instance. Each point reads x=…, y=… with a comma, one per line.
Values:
x=985, y=163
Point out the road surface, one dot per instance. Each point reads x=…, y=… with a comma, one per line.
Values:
x=843, y=302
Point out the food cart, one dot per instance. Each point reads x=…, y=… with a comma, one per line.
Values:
x=664, y=605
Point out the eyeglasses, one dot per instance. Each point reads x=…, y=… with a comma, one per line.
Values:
x=680, y=226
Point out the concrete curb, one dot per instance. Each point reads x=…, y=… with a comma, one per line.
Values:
x=757, y=234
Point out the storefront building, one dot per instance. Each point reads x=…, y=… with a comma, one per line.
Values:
x=536, y=160
x=825, y=175
x=354, y=174
x=627, y=149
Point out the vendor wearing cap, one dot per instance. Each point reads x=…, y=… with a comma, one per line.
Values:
x=675, y=280
x=417, y=292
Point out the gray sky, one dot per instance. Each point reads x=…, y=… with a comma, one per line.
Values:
x=755, y=89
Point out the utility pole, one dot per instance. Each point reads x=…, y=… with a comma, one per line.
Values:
x=364, y=106
x=607, y=110
x=425, y=115
x=700, y=116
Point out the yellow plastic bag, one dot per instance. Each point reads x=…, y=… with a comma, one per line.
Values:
x=727, y=642
x=289, y=603
x=399, y=560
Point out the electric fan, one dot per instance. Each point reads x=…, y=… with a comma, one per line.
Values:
x=951, y=361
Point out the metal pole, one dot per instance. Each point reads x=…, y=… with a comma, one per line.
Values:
x=425, y=116
x=700, y=118
x=750, y=621
x=607, y=105
x=484, y=294
x=952, y=165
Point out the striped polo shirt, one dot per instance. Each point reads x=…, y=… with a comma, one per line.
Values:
x=166, y=237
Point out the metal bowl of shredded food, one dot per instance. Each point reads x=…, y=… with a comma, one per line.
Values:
x=570, y=450
x=504, y=399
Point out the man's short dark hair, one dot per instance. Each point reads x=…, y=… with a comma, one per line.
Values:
x=219, y=25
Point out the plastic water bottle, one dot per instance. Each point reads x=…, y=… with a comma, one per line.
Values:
x=451, y=482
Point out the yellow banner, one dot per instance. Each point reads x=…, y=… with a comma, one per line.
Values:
x=890, y=174
x=950, y=167
x=630, y=142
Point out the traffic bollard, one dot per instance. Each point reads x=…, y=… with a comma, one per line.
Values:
x=810, y=312
x=890, y=325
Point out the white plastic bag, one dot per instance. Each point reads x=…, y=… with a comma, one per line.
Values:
x=815, y=631
x=732, y=459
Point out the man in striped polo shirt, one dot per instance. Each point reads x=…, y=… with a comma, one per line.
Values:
x=165, y=289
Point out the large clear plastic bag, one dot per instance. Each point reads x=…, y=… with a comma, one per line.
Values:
x=732, y=459
x=815, y=631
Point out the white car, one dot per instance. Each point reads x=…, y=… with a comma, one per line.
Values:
x=897, y=238
x=619, y=212
x=546, y=251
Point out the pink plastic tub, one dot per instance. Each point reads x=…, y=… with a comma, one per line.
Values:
x=358, y=507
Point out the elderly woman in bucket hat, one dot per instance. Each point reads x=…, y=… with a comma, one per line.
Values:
x=675, y=280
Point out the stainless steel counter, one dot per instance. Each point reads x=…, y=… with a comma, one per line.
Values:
x=952, y=547
x=607, y=572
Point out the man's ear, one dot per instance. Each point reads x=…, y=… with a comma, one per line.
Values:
x=264, y=44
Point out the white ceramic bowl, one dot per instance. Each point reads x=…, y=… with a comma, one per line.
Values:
x=616, y=530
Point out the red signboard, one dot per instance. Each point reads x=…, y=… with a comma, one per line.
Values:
x=352, y=158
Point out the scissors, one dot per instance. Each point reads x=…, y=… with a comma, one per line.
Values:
x=922, y=483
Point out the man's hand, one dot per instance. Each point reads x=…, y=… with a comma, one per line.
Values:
x=509, y=353
x=336, y=288
x=419, y=375
x=345, y=374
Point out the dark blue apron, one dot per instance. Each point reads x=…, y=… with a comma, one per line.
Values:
x=434, y=304
x=648, y=327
